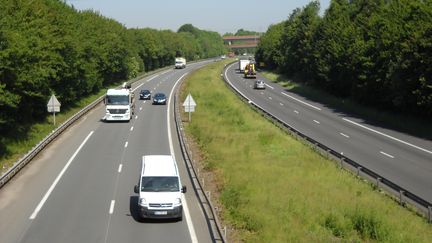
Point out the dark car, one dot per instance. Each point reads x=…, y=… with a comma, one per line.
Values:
x=159, y=99
x=145, y=94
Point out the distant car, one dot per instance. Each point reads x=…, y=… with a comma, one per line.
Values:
x=259, y=84
x=159, y=99
x=145, y=94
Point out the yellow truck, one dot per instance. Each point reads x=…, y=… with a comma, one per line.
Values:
x=249, y=71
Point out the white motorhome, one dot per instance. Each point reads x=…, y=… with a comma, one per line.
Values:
x=180, y=62
x=160, y=188
x=119, y=104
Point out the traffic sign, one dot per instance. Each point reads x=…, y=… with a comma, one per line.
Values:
x=53, y=104
x=189, y=105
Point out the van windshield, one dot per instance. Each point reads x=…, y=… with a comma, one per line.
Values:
x=159, y=184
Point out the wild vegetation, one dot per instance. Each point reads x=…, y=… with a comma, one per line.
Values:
x=47, y=46
x=276, y=189
x=375, y=51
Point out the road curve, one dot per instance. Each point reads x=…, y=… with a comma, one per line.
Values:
x=398, y=157
x=80, y=188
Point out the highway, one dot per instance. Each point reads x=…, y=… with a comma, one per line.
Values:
x=398, y=157
x=80, y=188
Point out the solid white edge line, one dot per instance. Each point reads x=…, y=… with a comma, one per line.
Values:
x=120, y=168
x=387, y=136
x=59, y=176
x=388, y=155
x=188, y=217
x=305, y=103
x=111, y=210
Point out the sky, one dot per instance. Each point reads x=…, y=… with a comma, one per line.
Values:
x=218, y=15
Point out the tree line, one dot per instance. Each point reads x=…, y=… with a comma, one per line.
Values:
x=379, y=52
x=47, y=46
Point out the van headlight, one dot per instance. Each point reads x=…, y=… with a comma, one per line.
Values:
x=142, y=202
x=177, y=201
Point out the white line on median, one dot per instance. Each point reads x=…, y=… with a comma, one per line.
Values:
x=386, y=154
x=48, y=193
x=111, y=210
x=316, y=108
x=120, y=168
x=388, y=136
x=188, y=217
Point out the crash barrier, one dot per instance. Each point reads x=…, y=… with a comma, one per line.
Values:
x=399, y=193
x=218, y=234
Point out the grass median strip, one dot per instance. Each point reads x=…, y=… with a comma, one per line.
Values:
x=276, y=189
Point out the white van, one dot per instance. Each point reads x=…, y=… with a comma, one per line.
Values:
x=160, y=188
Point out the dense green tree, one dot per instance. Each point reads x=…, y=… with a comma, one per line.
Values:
x=375, y=51
x=268, y=50
x=47, y=46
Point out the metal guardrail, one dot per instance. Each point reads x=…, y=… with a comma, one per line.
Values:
x=23, y=161
x=400, y=194
x=204, y=198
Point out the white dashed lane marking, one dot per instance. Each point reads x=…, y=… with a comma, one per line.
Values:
x=386, y=154
x=343, y=134
x=111, y=210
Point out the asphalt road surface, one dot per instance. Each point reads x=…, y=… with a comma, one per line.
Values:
x=80, y=189
x=398, y=157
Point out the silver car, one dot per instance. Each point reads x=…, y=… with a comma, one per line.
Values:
x=259, y=84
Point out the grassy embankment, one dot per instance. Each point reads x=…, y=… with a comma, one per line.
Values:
x=275, y=188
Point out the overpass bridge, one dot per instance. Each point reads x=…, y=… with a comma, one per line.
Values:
x=241, y=43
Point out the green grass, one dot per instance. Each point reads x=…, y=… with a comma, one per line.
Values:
x=387, y=119
x=275, y=188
